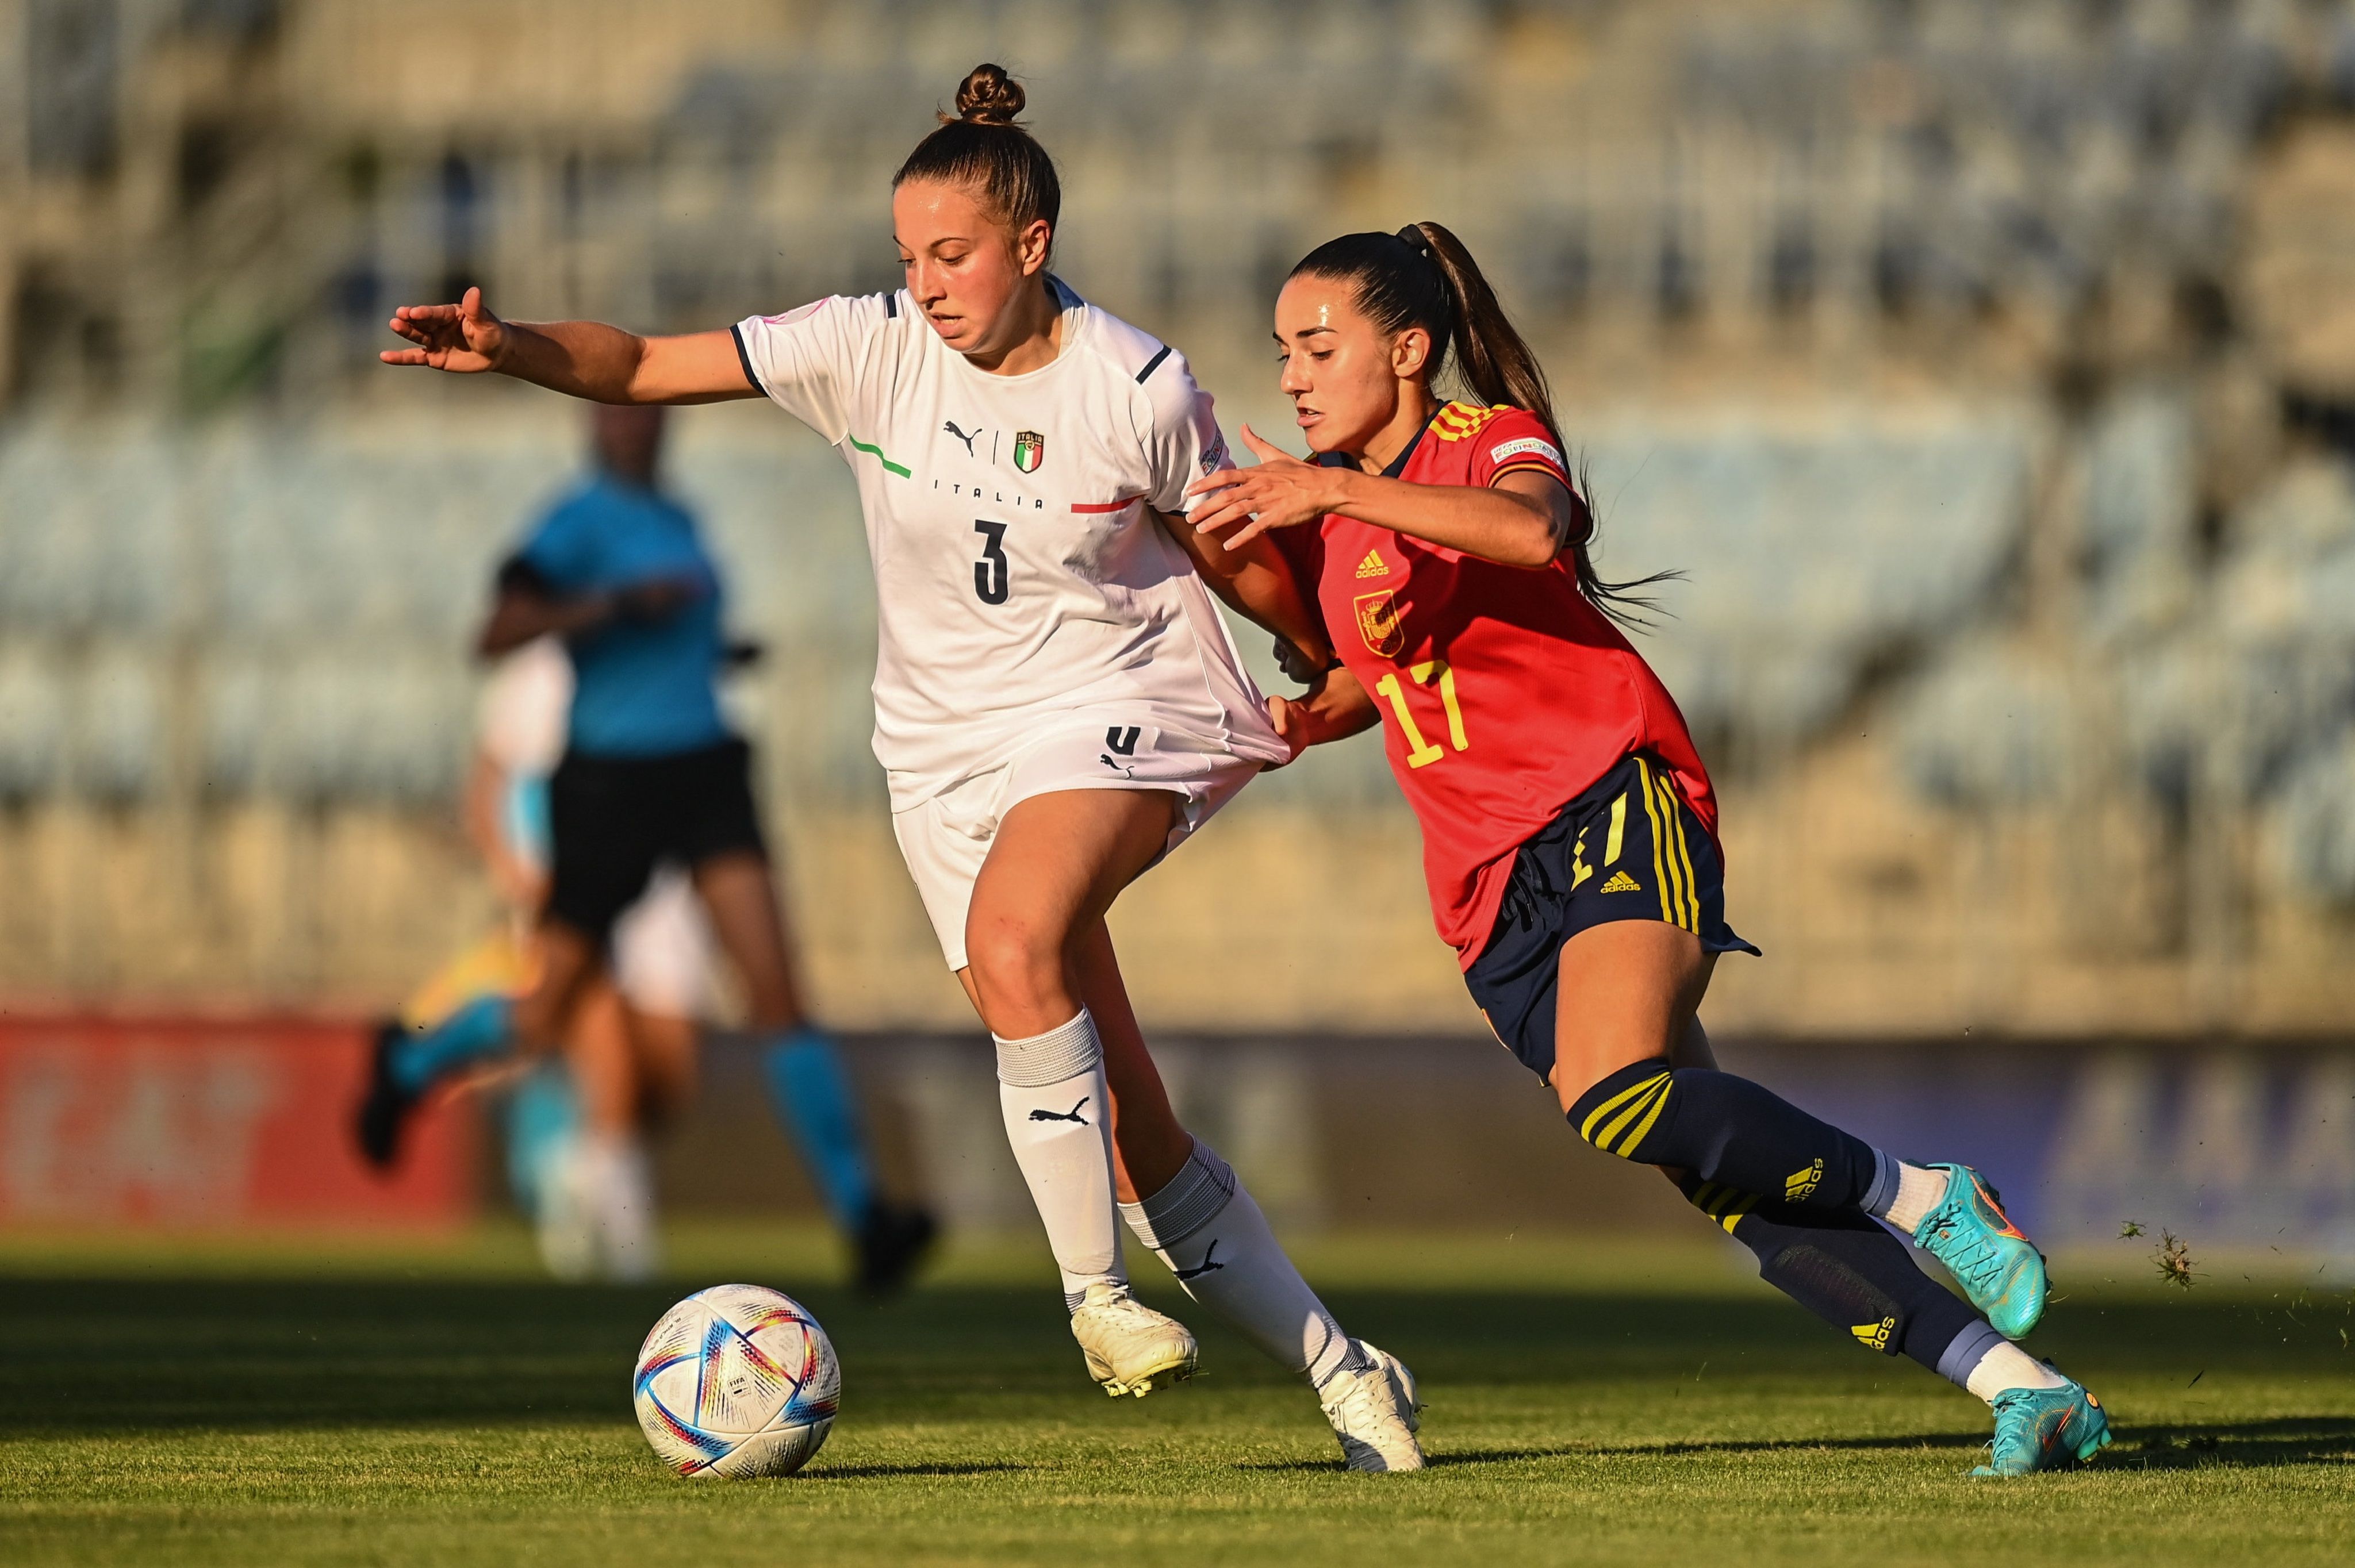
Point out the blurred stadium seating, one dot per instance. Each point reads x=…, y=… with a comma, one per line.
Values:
x=1989, y=370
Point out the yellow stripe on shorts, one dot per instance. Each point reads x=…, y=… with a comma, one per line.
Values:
x=1667, y=828
x=1683, y=849
x=1659, y=864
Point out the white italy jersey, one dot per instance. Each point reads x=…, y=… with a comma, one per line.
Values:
x=1021, y=577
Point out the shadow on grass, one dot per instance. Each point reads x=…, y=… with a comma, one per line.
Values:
x=895, y=1472
x=2284, y=1440
x=2251, y=1444
x=1468, y=1456
x=105, y=1355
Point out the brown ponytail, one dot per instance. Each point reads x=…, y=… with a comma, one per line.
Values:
x=1423, y=276
x=982, y=148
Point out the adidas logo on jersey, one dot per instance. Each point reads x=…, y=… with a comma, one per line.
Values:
x=1799, y=1184
x=1875, y=1336
x=1622, y=883
x=1373, y=567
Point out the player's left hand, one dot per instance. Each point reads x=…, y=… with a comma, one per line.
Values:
x=1281, y=492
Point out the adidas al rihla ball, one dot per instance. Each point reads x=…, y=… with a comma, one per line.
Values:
x=737, y=1381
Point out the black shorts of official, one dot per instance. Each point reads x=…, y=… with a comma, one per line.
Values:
x=1627, y=849
x=611, y=819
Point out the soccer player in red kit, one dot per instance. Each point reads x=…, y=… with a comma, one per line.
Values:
x=1570, y=832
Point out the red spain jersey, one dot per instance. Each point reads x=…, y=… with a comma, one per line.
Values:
x=1504, y=693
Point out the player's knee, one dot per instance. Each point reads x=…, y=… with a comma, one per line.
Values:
x=1017, y=963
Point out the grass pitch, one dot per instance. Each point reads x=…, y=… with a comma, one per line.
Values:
x=1588, y=1403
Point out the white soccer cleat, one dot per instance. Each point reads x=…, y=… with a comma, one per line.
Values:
x=1372, y=1413
x=1130, y=1349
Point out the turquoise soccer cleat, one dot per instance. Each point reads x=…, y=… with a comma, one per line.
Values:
x=1998, y=1268
x=2045, y=1429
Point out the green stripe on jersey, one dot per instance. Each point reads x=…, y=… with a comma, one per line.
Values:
x=877, y=452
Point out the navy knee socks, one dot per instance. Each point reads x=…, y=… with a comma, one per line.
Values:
x=1854, y=1274
x=1729, y=1131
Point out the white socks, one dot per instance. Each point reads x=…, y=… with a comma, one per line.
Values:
x=596, y=1214
x=2006, y=1366
x=1215, y=1240
x=1919, y=1191
x=1052, y=1092
x=622, y=1186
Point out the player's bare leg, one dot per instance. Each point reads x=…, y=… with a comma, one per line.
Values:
x=1055, y=865
x=810, y=1089
x=664, y=1052
x=739, y=895
x=1628, y=989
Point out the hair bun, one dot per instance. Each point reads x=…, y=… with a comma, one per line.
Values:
x=990, y=96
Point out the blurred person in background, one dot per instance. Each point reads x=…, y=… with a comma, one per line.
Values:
x=1569, y=827
x=651, y=784
x=576, y=1156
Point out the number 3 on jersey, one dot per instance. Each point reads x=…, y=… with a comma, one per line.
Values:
x=1421, y=753
x=989, y=572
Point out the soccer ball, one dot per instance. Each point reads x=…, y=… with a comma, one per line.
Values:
x=737, y=1381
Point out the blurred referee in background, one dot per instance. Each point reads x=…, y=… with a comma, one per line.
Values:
x=652, y=773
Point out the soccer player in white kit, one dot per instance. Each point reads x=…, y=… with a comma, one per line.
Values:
x=1057, y=701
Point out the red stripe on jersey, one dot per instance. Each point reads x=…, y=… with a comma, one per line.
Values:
x=1105, y=505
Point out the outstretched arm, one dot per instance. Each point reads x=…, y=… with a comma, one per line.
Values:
x=1526, y=519
x=583, y=359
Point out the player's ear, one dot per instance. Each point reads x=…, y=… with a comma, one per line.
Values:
x=1410, y=352
x=1032, y=244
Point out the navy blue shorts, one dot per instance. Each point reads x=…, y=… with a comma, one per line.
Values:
x=1627, y=849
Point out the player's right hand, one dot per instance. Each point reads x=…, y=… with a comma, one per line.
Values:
x=1291, y=721
x=463, y=338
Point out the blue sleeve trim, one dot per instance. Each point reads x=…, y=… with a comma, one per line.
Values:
x=892, y=307
x=1153, y=365
x=744, y=358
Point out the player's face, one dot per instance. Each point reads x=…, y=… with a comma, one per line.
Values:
x=1342, y=373
x=964, y=268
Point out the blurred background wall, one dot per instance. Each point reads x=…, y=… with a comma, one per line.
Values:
x=1987, y=368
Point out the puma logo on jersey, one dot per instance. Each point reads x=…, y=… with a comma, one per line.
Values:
x=1209, y=1263
x=1071, y=1116
x=1122, y=768
x=1372, y=566
x=1622, y=883
x=951, y=428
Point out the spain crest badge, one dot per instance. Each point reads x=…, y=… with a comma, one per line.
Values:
x=1379, y=624
x=1030, y=451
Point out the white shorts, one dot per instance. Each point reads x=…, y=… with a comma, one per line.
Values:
x=662, y=949
x=946, y=838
